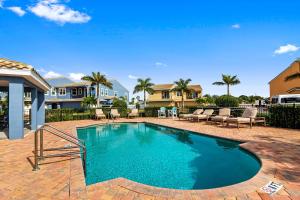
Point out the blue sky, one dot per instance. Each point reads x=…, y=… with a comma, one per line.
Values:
x=163, y=40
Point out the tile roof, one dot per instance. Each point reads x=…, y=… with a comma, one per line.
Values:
x=77, y=84
x=162, y=86
x=170, y=86
x=15, y=65
x=195, y=87
x=10, y=64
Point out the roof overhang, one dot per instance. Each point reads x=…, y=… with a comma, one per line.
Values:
x=29, y=75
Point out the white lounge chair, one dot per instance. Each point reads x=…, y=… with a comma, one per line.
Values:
x=99, y=114
x=190, y=116
x=134, y=113
x=248, y=117
x=205, y=115
x=114, y=114
x=224, y=113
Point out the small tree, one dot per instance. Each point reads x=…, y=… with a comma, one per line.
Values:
x=228, y=81
x=182, y=87
x=89, y=101
x=201, y=101
x=96, y=79
x=144, y=85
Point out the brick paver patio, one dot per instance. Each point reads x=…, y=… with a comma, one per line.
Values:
x=63, y=178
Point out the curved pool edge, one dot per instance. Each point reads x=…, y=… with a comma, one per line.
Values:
x=250, y=185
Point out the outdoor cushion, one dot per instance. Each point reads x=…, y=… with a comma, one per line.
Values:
x=200, y=116
x=208, y=112
x=197, y=112
x=219, y=118
x=250, y=113
x=114, y=113
x=186, y=115
x=224, y=112
x=239, y=119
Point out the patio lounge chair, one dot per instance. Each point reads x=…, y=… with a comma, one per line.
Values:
x=134, y=113
x=161, y=112
x=114, y=114
x=99, y=114
x=248, y=117
x=189, y=116
x=224, y=113
x=205, y=115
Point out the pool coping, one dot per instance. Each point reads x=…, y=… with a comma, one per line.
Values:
x=251, y=185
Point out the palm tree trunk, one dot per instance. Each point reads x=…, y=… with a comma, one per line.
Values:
x=98, y=97
x=182, y=99
x=144, y=99
x=228, y=93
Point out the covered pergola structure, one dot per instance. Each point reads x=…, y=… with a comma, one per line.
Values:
x=15, y=79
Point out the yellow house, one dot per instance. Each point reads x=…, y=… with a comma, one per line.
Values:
x=163, y=96
x=279, y=84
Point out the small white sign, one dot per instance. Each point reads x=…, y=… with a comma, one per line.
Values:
x=272, y=187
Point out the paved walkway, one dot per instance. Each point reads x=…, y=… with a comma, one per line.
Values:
x=63, y=178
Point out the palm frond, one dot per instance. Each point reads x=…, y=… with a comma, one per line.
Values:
x=218, y=83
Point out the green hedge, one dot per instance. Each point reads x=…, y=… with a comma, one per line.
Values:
x=56, y=115
x=285, y=116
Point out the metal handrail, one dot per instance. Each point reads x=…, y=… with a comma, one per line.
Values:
x=61, y=134
x=47, y=125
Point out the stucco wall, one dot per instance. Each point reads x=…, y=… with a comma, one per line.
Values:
x=280, y=86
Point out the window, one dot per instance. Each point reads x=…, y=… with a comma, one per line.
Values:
x=74, y=92
x=106, y=92
x=102, y=92
x=79, y=91
x=115, y=93
x=290, y=100
x=192, y=95
x=47, y=93
x=165, y=94
x=62, y=91
x=178, y=93
x=274, y=100
x=53, y=91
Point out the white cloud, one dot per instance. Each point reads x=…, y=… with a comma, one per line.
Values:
x=1, y=3
x=160, y=64
x=17, y=10
x=76, y=76
x=59, y=13
x=236, y=26
x=286, y=49
x=52, y=74
x=132, y=76
x=41, y=70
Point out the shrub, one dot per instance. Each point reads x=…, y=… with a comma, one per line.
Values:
x=285, y=116
x=121, y=105
x=227, y=101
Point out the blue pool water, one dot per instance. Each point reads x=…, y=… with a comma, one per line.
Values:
x=164, y=157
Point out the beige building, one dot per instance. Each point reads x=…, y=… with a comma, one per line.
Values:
x=163, y=96
x=279, y=84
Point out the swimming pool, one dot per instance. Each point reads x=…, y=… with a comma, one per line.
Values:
x=164, y=157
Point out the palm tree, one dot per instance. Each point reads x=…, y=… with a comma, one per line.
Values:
x=292, y=76
x=96, y=79
x=144, y=85
x=182, y=87
x=228, y=80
